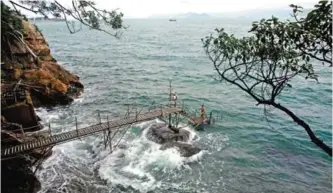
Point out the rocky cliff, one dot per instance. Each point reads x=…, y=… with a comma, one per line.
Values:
x=26, y=56
x=30, y=77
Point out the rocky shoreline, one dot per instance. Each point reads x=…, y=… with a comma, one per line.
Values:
x=30, y=78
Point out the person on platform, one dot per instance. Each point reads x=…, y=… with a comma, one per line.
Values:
x=174, y=98
x=203, y=113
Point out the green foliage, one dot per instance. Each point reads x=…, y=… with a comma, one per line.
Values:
x=9, y=20
x=277, y=45
x=310, y=36
x=264, y=63
x=83, y=11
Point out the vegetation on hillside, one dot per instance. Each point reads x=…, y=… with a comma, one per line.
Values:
x=265, y=63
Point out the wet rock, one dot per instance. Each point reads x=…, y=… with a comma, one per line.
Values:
x=160, y=133
x=185, y=149
x=18, y=177
x=122, y=146
x=22, y=114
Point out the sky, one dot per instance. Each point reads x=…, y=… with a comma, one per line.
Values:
x=148, y=8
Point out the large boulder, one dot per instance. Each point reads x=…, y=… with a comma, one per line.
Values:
x=172, y=138
x=160, y=133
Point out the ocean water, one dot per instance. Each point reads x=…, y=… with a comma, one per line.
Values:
x=245, y=151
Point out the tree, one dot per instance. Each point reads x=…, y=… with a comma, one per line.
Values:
x=85, y=12
x=263, y=64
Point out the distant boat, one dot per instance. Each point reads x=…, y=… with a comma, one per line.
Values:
x=172, y=20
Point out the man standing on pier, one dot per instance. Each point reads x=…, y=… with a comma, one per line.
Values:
x=203, y=113
x=174, y=98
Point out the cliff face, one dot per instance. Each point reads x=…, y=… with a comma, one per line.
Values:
x=31, y=62
x=30, y=77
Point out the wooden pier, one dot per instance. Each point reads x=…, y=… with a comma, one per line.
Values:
x=78, y=133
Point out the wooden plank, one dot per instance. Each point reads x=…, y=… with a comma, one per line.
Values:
x=47, y=141
x=69, y=135
x=32, y=144
x=65, y=136
x=56, y=138
x=119, y=122
x=25, y=146
x=21, y=147
x=39, y=143
x=59, y=137
x=91, y=129
x=98, y=127
x=15, y=148
x=6, y=151
x=10, y=151
x=29, y=146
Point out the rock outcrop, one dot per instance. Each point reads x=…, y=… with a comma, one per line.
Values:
x=28, y=58
x=30, y=77
x=162, y=134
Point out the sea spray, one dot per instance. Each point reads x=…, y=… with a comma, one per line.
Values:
x=136, y=165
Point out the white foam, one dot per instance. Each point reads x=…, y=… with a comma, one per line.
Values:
x=47, y=116
x=78, y=100
x=135, y=165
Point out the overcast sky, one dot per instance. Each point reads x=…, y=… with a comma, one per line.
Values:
x=147, y=8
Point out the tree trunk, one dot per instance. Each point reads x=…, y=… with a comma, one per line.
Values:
x=307, y=128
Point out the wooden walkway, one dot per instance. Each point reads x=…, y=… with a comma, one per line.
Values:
x=72, y=135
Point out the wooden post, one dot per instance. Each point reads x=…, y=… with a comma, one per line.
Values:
x=104, y=138
x=109, y=133
x=99, y=117
x=170, y=100
x=170, y=93
x=77, y=131
x=50, y=132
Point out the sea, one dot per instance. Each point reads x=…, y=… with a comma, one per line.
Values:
x=249, y=148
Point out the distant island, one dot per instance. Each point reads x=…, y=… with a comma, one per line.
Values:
x=282, y=13
x=190, y=15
